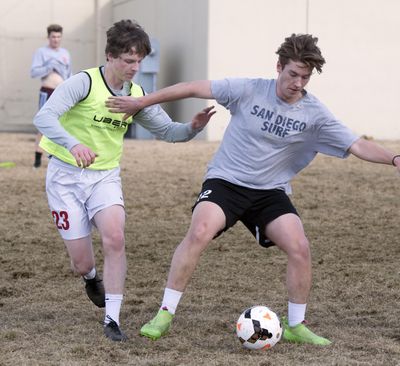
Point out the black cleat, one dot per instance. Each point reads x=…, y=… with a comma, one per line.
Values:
x=112, y=331
x=95, y=291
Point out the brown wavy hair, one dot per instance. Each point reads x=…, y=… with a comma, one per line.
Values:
x=302, y=48
x=124, y=35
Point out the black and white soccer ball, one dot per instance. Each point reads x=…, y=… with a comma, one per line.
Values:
x=258, y=327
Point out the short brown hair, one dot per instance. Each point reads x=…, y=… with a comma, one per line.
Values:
x=302, y=48
x=54, y=28
x=124, y=35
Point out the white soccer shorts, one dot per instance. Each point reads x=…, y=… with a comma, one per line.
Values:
x=75, y=195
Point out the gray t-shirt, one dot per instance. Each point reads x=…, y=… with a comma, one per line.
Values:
x=267, y=141
x=76, y=88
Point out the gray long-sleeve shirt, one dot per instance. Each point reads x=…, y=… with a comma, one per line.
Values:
x=76, y=88
x=47, y=59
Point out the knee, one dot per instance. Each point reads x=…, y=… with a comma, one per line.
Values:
x=114, y=241
x=82, y=266
x=300, y=249
x=200, y=235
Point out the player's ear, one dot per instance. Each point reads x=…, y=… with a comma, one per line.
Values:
x=109, y=56
x=279, y=67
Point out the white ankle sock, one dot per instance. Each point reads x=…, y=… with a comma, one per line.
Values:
x=113, y=307
x=296, y=313
x=90, y=275
x=171, y=300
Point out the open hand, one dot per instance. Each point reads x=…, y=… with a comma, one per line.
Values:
x=128, y=105
x=201, y=119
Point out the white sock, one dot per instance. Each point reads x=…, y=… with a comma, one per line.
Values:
x=171, y=300
x=113, y=307
x=296, y=313
x=90, y=275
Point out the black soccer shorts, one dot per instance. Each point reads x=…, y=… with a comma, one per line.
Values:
x=254, y=207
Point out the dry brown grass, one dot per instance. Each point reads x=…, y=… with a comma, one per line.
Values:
x=350, y=211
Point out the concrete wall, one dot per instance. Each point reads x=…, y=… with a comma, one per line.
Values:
x=209, y=39
x=360, y=84
x=23, y=29
x=181, y=27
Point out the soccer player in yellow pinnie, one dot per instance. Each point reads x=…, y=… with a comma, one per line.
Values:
x=84, y=142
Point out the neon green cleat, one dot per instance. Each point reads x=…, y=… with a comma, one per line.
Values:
x=158, y=326
x=301, y=334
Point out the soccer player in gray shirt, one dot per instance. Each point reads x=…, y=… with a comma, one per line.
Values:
x=276, y=129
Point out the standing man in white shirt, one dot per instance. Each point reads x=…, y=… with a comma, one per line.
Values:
x=52, y=64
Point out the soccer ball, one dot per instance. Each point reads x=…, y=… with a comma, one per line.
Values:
x=258, y=327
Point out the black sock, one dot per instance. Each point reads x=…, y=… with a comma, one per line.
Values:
x=38, y=159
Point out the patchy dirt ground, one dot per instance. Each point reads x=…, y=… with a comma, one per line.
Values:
x=350, y=211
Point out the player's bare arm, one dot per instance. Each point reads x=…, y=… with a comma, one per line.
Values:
x=130, y=106
x=372, y=152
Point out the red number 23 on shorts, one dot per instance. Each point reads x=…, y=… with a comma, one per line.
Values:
x=61, y=219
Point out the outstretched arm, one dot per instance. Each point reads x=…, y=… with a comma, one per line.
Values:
x=130, y=106
x=372, y=152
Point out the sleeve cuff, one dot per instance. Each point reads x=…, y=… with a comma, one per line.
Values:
x=71, y=143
